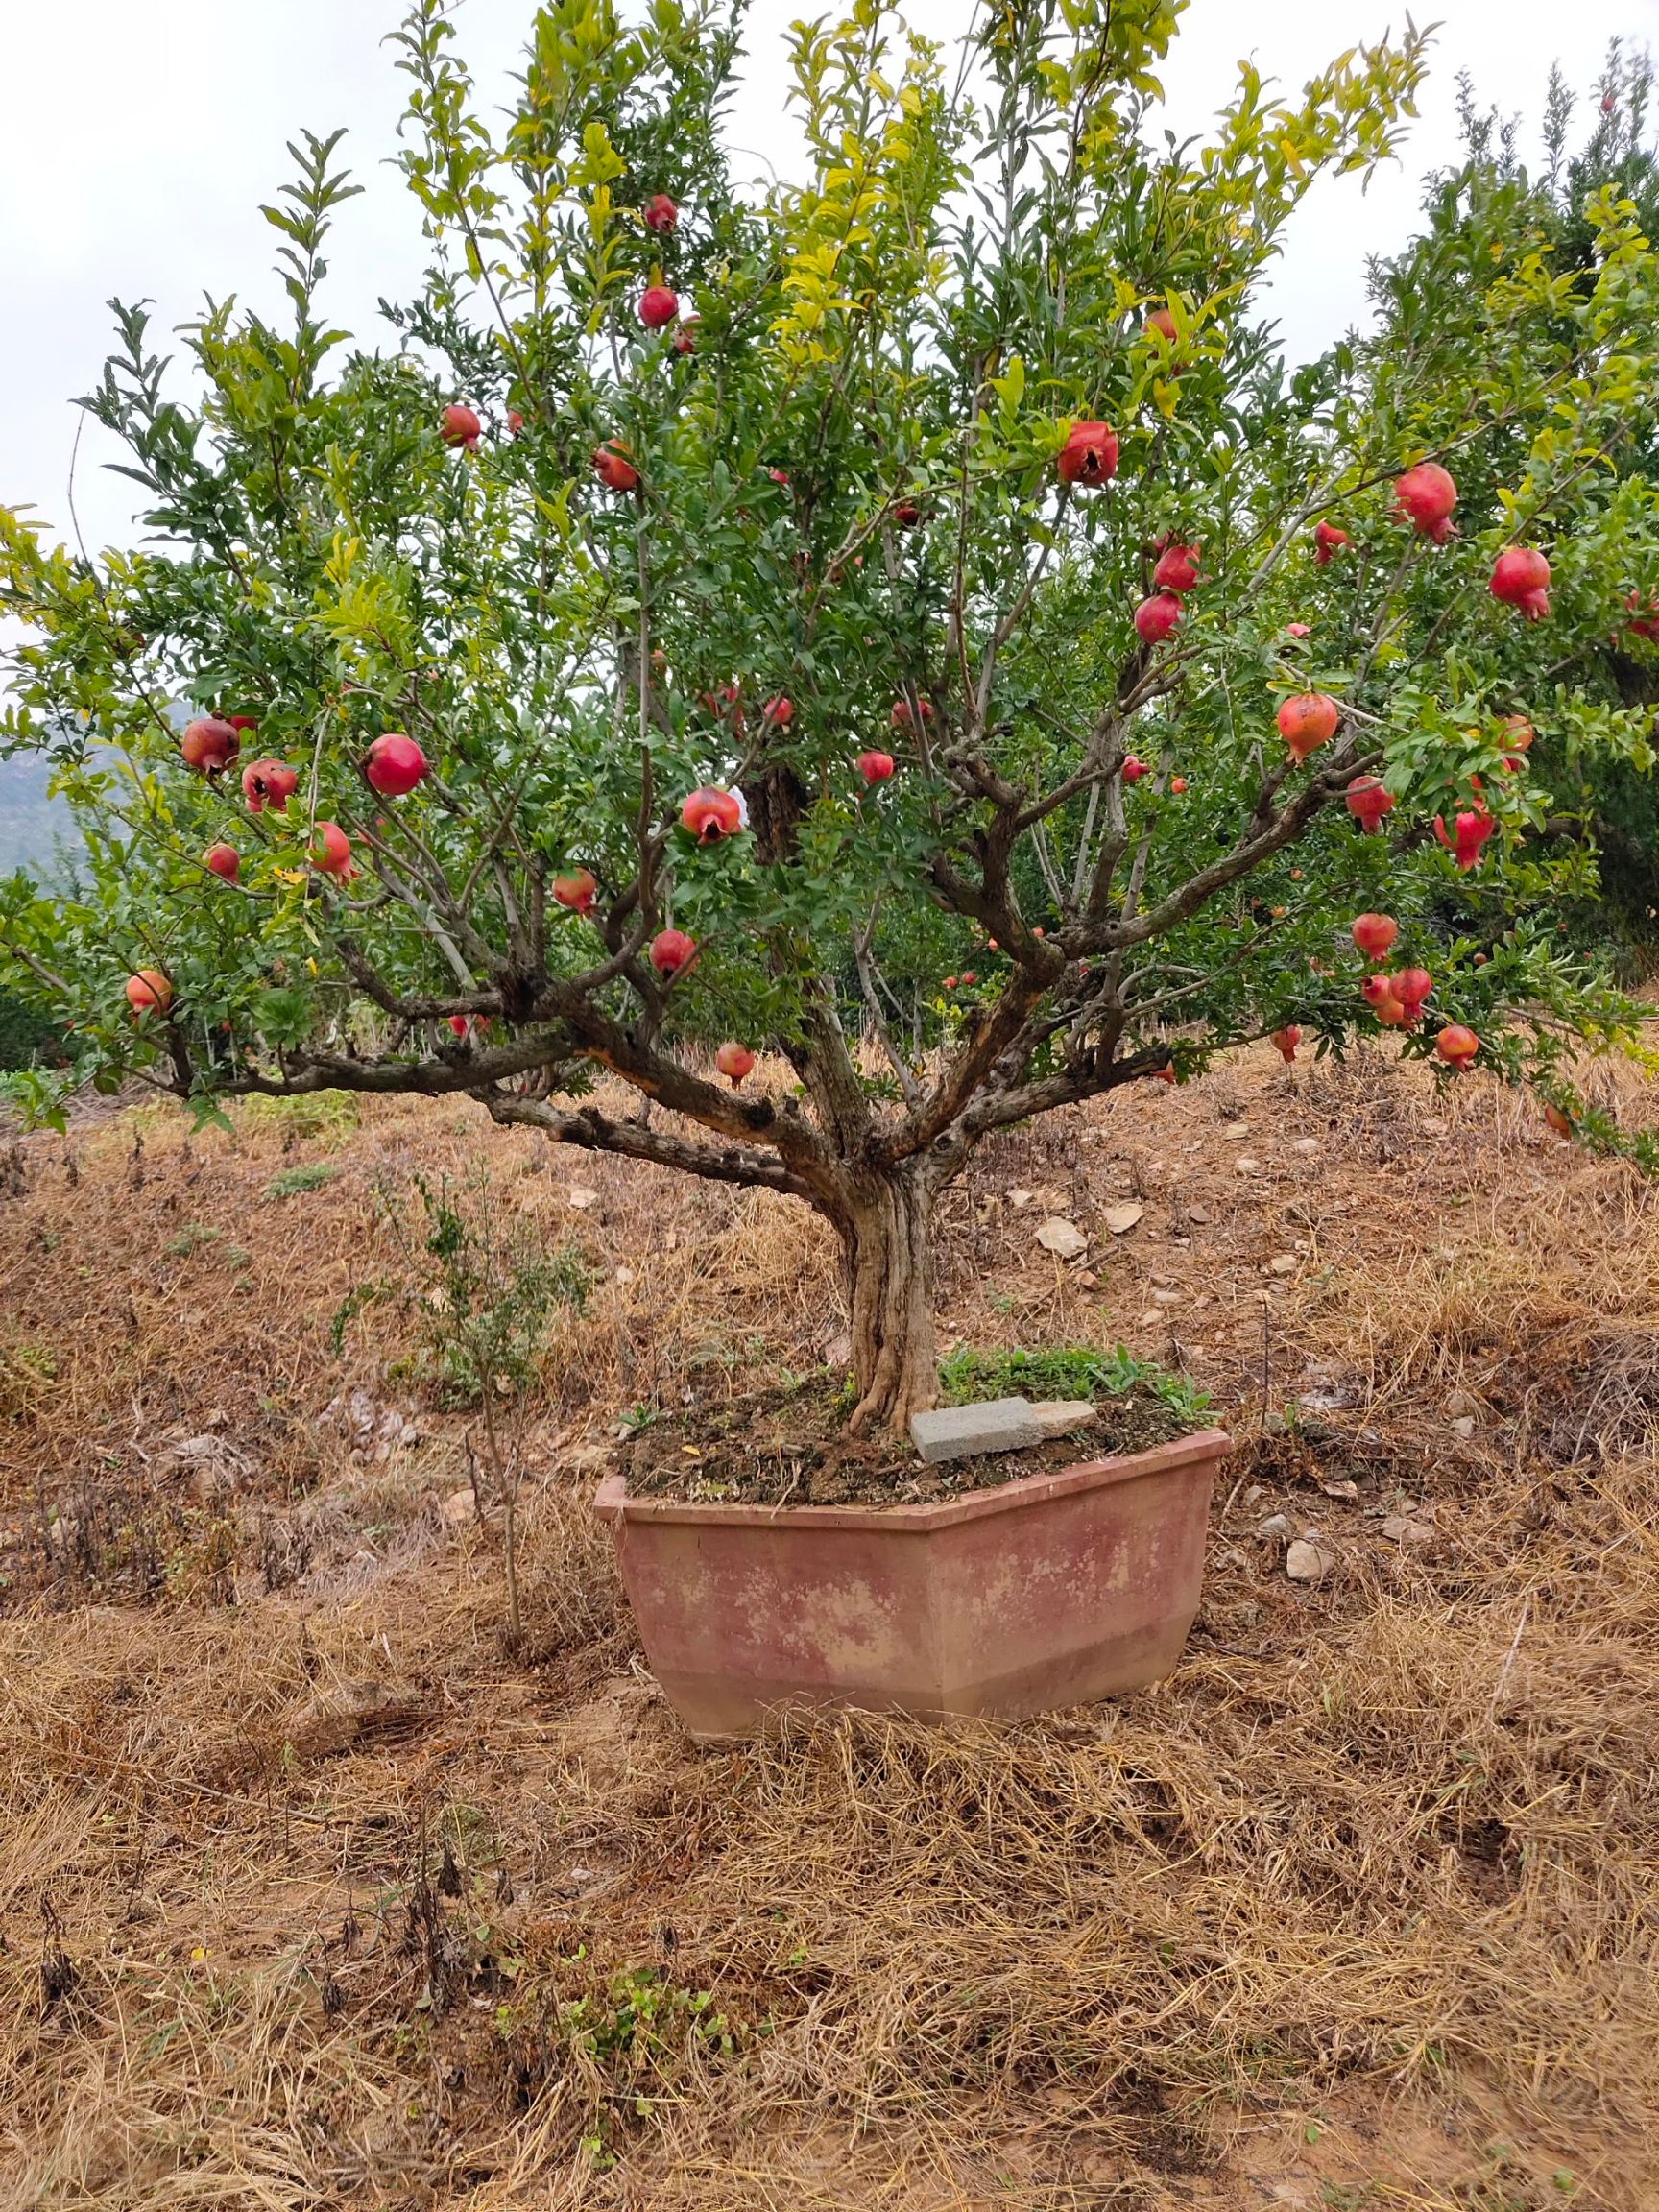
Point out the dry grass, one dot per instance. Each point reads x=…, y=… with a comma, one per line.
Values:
x=310, y=1898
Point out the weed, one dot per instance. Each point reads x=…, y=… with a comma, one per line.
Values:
x=632, y=2039
x=484, y=1293
x=1065, y=1371
x=331, y=1114
x=28, y=1374
x=291, y=1182
x=190, y=1238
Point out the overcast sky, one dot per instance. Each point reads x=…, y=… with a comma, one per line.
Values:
x=136, y=142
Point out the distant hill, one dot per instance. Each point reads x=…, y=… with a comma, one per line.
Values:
x=36, y=832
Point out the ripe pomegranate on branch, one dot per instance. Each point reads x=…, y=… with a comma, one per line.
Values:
x=852, y=678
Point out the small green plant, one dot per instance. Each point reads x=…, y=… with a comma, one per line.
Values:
x=484, y=1292
x=1065, y=1371
x=190, y=1238
x=634, y=2035
x=291, y=1182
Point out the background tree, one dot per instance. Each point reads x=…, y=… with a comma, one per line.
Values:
x=1492, y=208
x=953, y=508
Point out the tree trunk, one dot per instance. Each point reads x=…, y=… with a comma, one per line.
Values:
x=889, y=1251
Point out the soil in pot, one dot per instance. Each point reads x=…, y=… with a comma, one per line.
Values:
x=788, y=1446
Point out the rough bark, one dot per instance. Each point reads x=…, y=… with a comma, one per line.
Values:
x=888, y=1243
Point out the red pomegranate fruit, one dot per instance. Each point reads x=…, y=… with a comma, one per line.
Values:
x=576, y=891
x=613, y=468
x=1177, y=569
x=268, y=783
x=148, y=992
x=1373, y=934
x=1368, y=802
x=1157, y=618
x=1520, y=579
x=1426, y=496
x=1088, y=457
x=209, y=744
x=1308, y=721
x=672, y=951
x=1457, y=1046
x=394, y=764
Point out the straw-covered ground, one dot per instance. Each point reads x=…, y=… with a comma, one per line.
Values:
x=312, y=1893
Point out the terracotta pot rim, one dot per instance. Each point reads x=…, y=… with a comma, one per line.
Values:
x=613, y=1503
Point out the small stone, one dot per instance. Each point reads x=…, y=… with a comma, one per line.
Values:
x=1234, y=1131
x=624, y=1275
x=1198, y=1214
x=1088, y=1279
x=1406, y=1533
x=1231, y=1557
x=1282, y=1263
x=1464, y=1428
x=1121, y=1220
x=1309, y=1148
x=1254, y=1493
x=458, y=1508
x=1350, y=1490
x=1062, y=1237
x=1309, y=1562
x=1274, y=1528
x=581, y=1197
x=1461, y=1402
x=1246, y=1166
x=1019, y=1200
x=1165, y=1297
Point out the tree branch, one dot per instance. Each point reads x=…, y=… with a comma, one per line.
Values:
x=595, y=1132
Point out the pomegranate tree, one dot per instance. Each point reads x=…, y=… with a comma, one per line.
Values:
x=970, y=675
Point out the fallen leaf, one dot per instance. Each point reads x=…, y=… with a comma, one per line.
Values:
x=1121, y=1220
x=1062, y=1237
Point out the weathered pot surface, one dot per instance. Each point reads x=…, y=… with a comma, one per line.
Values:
x=1049, y=1591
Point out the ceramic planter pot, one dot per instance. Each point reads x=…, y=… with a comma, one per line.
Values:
x=1049, y=1591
